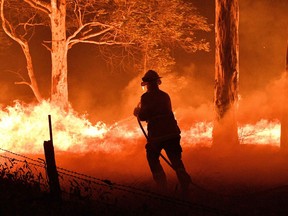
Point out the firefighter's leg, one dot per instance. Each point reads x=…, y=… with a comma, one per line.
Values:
x=153, y=153
x=174, y=153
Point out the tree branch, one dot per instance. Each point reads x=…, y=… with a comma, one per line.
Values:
x=22, y=83
x=39, y=5
x=72, y=40
x=7, y=27
x=100, y=42
x=46, y=46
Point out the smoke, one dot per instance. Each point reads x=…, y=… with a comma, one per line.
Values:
x=263, y=40
x=191, y=98
x=267, y=103
x=4, y=93
x=111, y=97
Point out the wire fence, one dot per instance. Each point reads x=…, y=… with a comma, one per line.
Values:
x=79, y=186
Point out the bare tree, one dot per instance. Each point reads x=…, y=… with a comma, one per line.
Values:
x=143, y=25
x=22, y=34
x=226, y=73
x=71, y=22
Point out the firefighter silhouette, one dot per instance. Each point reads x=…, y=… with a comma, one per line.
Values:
x=163, y=131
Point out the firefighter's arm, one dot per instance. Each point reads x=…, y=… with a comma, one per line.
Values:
x=143, y=111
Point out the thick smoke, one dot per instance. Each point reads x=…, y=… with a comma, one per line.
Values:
x=263, y=41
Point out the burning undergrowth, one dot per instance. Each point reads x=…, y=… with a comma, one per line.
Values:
x=116, y=153
x=116, y=150
x=25, y=127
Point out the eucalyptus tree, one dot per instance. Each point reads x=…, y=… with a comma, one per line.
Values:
x=225, y=131
x=158, y=27
x=149, y=29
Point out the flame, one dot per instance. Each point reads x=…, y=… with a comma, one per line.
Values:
x=25, y=127
x=263, y=132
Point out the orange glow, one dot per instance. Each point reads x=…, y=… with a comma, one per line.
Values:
x=24, y=128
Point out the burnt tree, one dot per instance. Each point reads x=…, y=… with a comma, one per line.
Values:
x=284, y=120
x=225, y=132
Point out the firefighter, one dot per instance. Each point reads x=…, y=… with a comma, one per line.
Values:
x=163, y=132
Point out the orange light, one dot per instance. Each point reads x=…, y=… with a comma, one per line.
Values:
x=25, y=128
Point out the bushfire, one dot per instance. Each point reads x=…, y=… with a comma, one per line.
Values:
x=25, y=127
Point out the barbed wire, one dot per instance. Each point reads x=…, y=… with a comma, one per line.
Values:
x=23, y=161
x=151, y=195
x=110, y=184
x=131, y=189
x=23, y=156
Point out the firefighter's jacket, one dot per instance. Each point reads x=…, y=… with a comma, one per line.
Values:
x=156, y=110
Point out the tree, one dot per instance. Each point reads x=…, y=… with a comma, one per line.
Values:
x=225, y=132
x=156, y=27
x=132, y=24
x=284, y=120
x=21, y=34
x=70, y=22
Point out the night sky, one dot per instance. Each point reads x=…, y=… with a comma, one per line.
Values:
x=95, y=86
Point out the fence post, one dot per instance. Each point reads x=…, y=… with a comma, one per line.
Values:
x=51, y=169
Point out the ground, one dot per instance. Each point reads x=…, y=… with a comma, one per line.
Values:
x=250, y=180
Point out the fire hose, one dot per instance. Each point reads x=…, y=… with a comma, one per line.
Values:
x=147, y=138
x=162, y=156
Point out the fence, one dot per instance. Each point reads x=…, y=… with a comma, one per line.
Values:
x=64, y=184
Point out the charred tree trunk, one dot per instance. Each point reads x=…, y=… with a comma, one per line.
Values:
x=284, y=120
x=59, y=86
x=226, y=73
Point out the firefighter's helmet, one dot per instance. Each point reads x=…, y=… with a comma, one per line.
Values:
x=150, y=76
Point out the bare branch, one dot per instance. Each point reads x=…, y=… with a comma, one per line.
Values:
x=47, y=47
x=78, y=14
x=101, y=42
x=7, y=27
x=42, y=6
x=18, y=74
x=22, y=83
x=72, y=40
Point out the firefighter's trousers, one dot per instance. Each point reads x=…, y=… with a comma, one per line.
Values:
x=173, y=150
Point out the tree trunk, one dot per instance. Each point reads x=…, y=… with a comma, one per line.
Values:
x=59, y=85
x=8, y=29
x=225, y=132
x=284, y=120
x=33, y=82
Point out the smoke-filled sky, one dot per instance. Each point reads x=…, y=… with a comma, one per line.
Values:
x=108, y=95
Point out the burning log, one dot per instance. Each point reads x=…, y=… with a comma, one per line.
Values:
x=226, y=72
